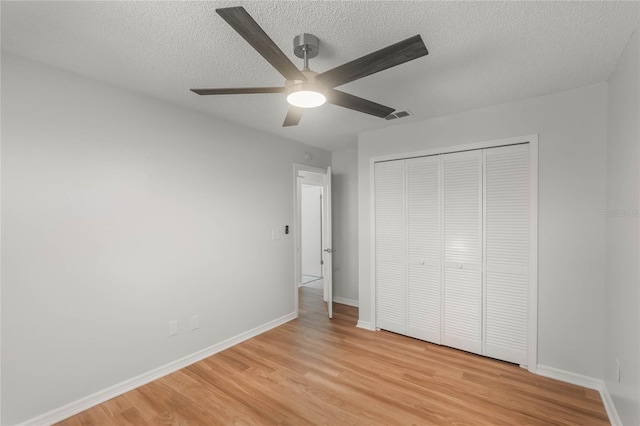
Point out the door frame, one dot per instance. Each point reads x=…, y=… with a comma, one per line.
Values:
x=297, y=235
x=532, y=140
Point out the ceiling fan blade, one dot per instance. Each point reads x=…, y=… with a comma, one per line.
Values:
x=238, y=91
x=293, y=116
x=380, y=60
x=244, y=24
x=355, y=103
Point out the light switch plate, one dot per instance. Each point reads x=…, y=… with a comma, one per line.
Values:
x=195, y=322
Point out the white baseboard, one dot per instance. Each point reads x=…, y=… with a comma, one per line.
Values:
x=569, y=377
x=586, y=382
x=364, y=324
x=345, y=301
x=99, y=397
x=614, y=417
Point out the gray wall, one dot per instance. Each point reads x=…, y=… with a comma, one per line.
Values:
x=121, y=213
x=344, y=188
x=622, y=288
x=572, y=177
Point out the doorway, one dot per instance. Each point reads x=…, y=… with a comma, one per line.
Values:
x=311, y=235
x=313, y=252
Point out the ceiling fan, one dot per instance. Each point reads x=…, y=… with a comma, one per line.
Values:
x=305, y=88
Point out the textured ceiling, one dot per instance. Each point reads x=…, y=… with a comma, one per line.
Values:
x=480, y=53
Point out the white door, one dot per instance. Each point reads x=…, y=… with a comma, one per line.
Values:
x=506, y=252
x=423, y=248
x=462, y=215
x=327, y=244
x=390, y=246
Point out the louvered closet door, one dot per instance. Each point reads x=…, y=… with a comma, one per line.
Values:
x=462, y=198
x=423, y=248
x=390, y=200
x=506, y=224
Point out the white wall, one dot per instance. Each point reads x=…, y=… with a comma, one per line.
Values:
x=121, y=213
x=311, y=230
x=572, y=135
x=622, y=288
x=344, y=187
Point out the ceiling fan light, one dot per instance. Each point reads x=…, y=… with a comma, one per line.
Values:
x=306, y=98
x=305, y=95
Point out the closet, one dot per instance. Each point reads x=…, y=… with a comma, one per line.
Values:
x=452, y=249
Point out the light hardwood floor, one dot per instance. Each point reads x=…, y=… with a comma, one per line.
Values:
x=315, y=371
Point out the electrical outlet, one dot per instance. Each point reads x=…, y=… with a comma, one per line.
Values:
x=173, y=328
x=617, y=371
x=195, y=322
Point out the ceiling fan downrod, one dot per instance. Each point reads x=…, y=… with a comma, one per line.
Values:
x=306, y=46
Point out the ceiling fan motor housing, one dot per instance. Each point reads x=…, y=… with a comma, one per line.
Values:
x=307, y=42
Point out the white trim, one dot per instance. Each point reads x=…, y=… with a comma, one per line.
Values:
x=0, y=297
x=532, y=350
x=614, y=417
x=569, y=377
x=327, y=241
x=372, y=245
x=456, y=148
x=306, y=168
x=82, y=404
x=311, y=178
x=297, y=274
x=586, y=382
x=345, y=301
x=365, y=325
x=441, y=242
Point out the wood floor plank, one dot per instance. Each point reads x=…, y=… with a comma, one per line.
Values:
x=318, y=371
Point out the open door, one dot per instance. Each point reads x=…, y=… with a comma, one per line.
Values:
x=326, y=243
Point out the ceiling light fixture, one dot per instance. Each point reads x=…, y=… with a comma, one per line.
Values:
x=305, y=95
x=305, y=88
